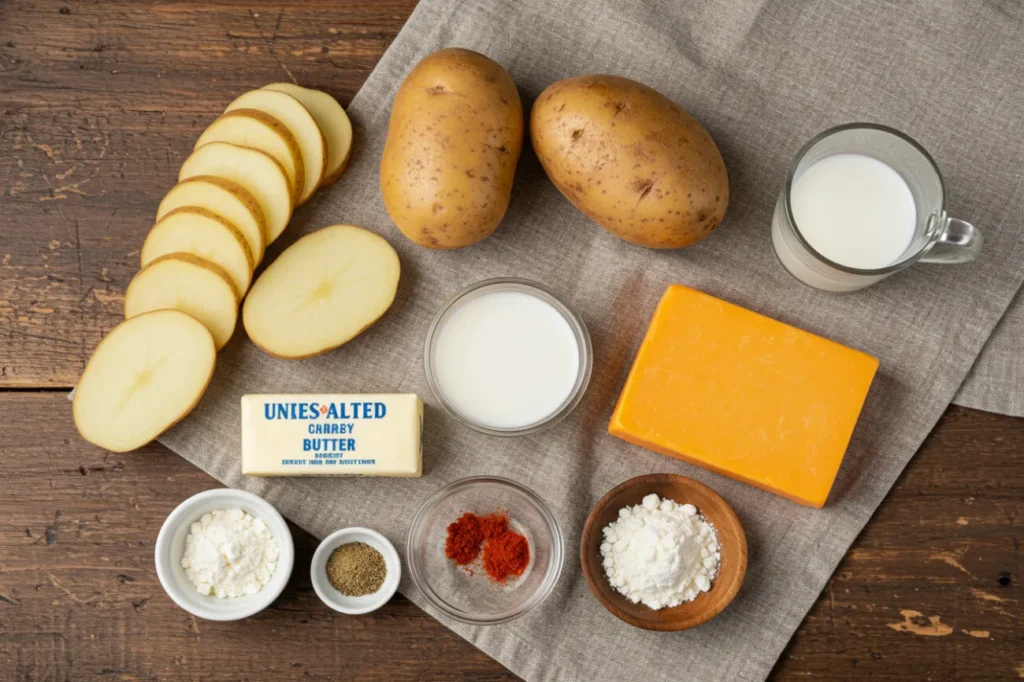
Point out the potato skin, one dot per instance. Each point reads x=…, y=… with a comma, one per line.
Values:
x=631, y=160
x=453, y=142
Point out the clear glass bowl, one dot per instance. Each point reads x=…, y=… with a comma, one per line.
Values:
x=476, y=599
x=525, y=286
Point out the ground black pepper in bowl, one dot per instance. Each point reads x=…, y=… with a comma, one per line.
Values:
x=356, y=569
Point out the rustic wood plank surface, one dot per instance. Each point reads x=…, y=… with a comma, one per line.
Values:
x=99, y=104
x=929, y=591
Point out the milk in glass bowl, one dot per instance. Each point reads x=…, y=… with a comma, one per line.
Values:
x=507, y=357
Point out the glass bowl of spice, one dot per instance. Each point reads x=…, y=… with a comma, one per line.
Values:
x=355, y=570
x=484, y=550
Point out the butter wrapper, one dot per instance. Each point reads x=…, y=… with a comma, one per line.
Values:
x=332, y=434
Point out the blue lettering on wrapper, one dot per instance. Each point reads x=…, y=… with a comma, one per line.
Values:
x=328, y=444
x=273, y=411
x=330, y=429
x=313, y=410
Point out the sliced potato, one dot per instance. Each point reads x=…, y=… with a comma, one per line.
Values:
x=259, y=130
x=294, y=116
x=181, y=281
x=227, y=199
x=144, y=377
x=205, y=234
x=254, y=170
x=321, y=292
x=333, y=122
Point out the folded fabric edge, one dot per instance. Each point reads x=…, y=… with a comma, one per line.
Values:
x=996, y=363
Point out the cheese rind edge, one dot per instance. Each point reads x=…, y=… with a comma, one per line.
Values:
x=743, y=395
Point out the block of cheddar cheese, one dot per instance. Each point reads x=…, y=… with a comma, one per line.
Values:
x=743, y=395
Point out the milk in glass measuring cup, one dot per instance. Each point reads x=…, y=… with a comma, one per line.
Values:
x=861, y=202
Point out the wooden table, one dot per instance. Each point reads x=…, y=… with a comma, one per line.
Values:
x=101, y=101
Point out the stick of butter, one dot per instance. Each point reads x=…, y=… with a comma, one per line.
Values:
x=341, y=435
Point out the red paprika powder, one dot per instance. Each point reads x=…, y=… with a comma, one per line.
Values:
x=494, y=525
x=464, y=538
x=506, y=553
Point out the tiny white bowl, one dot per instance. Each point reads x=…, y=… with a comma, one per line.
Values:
x=355, y=606
x=170, y=548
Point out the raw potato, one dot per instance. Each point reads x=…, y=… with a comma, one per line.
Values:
x=203, y=234
x=304, y=129
x=256, y=129
x=181, y=281
x=454, y=139
x=254, y=170
x=144, y=377
x=631, y=160
x=321, y=292
x=227, y=199
x=333, y=123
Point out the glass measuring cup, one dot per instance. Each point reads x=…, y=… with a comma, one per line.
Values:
x=937, y=237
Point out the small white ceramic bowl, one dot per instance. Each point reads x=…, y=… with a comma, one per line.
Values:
x=170, y=547
x=355, y=606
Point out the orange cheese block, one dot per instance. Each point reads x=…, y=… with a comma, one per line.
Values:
x=744, y=395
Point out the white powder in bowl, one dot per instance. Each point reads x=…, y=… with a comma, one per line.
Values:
x=660, y=553
x=229, y=553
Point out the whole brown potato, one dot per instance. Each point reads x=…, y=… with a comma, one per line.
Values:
x=631, y=160
x=455, y=135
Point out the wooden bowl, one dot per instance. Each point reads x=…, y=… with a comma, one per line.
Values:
x=711, y=506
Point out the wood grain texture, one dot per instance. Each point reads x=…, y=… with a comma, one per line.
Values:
x=99, y=104
x=929, y=591
x=80, y=600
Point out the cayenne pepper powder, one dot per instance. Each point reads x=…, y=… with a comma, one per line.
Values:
x=506, y=553
x=464, y=539
x=494, y=525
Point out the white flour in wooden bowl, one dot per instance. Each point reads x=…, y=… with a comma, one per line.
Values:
x=660, y=553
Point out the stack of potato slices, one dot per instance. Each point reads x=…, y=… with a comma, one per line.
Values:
x=269, y=152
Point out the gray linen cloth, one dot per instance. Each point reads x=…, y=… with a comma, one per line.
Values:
x=763, y=77
x=996, y=382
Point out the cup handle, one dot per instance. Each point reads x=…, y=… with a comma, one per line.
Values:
x=960, y=242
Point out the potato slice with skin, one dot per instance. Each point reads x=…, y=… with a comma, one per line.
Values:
x=193, y=285
x=333, y=122
x=323, y=291
x=255, y=171
x=227, y=199
x=203, y=234
x=294, y=116
x=144, y=377
x=259, y=130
